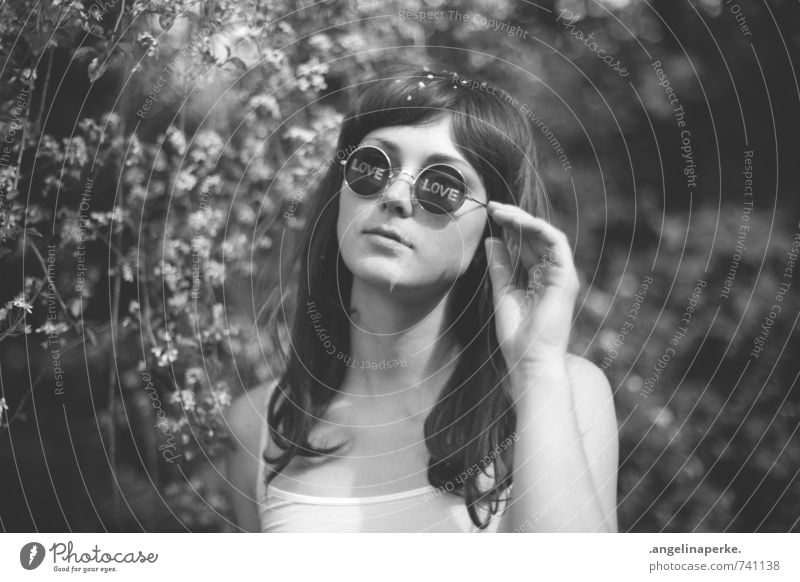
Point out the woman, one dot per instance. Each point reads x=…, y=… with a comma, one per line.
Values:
x=427, y=384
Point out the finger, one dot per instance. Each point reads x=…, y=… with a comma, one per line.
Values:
x=519, y=220
x=543, y=237
x=500, y=271
x=531, y=250
x=523, y=254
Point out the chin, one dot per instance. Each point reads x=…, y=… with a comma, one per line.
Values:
x=378, y=271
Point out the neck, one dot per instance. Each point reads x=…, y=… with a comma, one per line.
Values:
x=401, y=349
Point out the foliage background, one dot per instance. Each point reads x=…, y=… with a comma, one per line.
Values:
x=131, y=307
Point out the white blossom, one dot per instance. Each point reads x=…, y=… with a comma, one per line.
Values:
x=21, y=302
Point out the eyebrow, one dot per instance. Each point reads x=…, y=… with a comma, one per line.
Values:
x=432, y=159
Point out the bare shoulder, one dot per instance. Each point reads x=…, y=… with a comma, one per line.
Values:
x=597, y=420
x=246, y=416
x=584, y=369
x=590, y=389
x=246, y=420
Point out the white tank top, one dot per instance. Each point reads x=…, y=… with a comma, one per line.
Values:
x=426, y=509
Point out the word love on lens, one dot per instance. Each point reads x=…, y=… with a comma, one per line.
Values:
x=441, y=190
x=368, y=170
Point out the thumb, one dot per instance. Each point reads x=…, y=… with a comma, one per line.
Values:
x=500, y=271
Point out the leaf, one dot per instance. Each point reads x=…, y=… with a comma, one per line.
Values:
x=37, y=42
x=75, y=307
x=64, y=36
x=97, y=68
x=220, y=60
x=239, y=63
x=166, y=21
x=84, y=53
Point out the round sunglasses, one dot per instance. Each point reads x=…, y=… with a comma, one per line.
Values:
x=438, y=188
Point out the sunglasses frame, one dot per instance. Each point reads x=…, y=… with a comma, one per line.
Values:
x=393, y=175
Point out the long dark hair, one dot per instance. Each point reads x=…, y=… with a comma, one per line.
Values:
x=468, y=431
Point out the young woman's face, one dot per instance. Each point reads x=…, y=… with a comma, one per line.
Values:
x=438, y=248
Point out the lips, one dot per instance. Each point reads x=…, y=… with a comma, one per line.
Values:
x=389, y=233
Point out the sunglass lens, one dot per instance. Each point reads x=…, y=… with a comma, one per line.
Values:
x=440, y=190
x=367, y=171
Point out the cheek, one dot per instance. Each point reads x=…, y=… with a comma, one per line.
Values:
x=340, y=231
x=344, y=221
x=454, y=247
x=349, y=223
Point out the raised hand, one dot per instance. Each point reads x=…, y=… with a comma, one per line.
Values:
x=533, y=324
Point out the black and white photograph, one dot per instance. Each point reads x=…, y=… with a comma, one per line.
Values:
x=414, y=267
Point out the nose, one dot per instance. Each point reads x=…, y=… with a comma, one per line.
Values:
x=397, y=196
